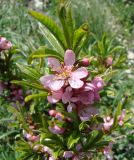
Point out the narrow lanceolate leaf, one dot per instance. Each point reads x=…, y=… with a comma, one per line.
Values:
x=50, y=25
x=44, y=52
x=65, y=15
x=80, y=37
x=51, y=39
x=73, y=139
x=33, y=96
x=30, y=72
x=35, y=85
x=8, y=134
x=91, y=139
x=117, y=113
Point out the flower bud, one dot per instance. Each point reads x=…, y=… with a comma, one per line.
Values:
x=85, y=62
x=4, y=44
x=109, y=61
x=108, y=122
x=52, y=113
x=56, y=129
x=121, y=117
x=68, y=154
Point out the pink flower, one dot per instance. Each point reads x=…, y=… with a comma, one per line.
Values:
x=107, y=151
x=108, y=122
x=56, y=129
x=65, y=74
x=4, y=44
x=85, y=113
x=98, y=83
x=121, y=117
x=68, y=154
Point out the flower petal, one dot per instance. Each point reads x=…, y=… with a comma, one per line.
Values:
x=85, y=113
x=46, y=80
x=70, y=107
x=54, y=64
x=52, y=99
x=80, y=73
x=69, y=58
x=67, y=95
x=75, y=83
x=56, y=85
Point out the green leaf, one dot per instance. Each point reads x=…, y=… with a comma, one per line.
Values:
x=29, y=84
x=44, y=52
x=33, y=96
x=30, y=72
x=80, y=36
x=8, y=134
x=117, y=113
x=51, y=26
x=101, y=144
x=51, y=39
x=73, y=139
x=91, y=138
x=65, y=15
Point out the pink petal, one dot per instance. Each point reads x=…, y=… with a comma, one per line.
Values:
x=89, y=86
x=98, y=83
x=68, y=154
x=56, y=129
x=80, y=73
x=70, y=107
x=46, y=80
x=56, y=85
x=69, y=58
x=54, y=64
x=85, y=113
x=67, y=95
x=75, y=83
x=86, y=97
x=55, y=97
x=52, y=99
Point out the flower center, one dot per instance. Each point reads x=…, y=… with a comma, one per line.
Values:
x=66, y=71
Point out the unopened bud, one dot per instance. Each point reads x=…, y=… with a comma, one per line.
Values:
x=109, y=61
x=52, y=113
x=85, y=62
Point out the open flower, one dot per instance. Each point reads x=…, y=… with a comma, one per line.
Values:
x=66, y=73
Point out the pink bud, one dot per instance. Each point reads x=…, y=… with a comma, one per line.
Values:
x=47, y=150
x=85, y=62
x=109, y=61
x=121, y=117
x=68, y=154
x=78, y=147
x=4, y=44
x=108, y=122
x=56, y=129
x=52, y=113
